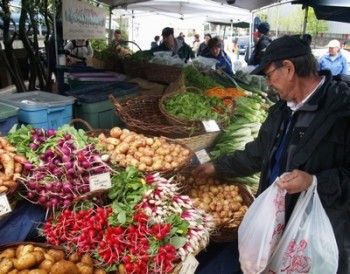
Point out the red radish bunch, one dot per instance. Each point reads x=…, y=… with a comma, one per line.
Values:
x=140, y=246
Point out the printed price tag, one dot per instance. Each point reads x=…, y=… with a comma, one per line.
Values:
x=4, y=205
x=211, y=126
x=100, y=181
x=202, y=156
x=189, y=265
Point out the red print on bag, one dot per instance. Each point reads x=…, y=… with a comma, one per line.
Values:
x=279, y=204
x=294, y=260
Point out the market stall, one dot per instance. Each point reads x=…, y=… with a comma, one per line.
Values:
x=100, y=183
x=72, y=173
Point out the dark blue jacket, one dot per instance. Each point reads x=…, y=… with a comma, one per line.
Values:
x=319, y=145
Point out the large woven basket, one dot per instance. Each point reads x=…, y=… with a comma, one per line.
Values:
x=87, y=127
x=134, y=69
x=162, y=73
x=230, y=234
x=199, y=142
x=223, y=233
x=142, y=115
x=175, y=120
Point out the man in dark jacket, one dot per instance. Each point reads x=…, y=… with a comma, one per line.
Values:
x=307, y=133
x=176, y=45
x=263, y=40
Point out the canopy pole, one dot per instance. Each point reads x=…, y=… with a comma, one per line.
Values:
x=110, y=25
x=305, y=19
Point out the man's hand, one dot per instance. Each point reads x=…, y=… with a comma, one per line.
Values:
x=204, y=171
x=295, y=181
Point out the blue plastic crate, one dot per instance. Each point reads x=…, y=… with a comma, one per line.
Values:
x=41, y=109
x=8, y=118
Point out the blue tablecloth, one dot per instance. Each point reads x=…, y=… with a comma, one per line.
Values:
x=21, y=224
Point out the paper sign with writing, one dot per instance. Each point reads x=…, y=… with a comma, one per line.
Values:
x=100, y=181
x=4, y=205
x=82, y=21
x=189, y=265
x=210, y=126
x=202, y=156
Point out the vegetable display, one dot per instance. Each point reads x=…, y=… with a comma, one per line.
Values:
x=245, y=127
x=148, y=154
x=147, y=228
x=190, y=106
x=223, y=201
x=11, y=165
x=59, y=170
x=36, y=259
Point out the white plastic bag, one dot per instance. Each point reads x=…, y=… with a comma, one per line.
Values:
x=261, y=229
x=308, y=244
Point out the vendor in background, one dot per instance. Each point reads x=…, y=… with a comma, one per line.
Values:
x=119, y=45
x=334, y=60
x=263, y=40
x=176, y=45
x=215, y=51
x=204, y=44
x=79, y=50
x=196, y=44
x=181, y=36
x=155, y=43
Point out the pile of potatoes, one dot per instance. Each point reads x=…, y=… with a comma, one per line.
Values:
x=223, y=201
x=31, y=259
x=147, y=154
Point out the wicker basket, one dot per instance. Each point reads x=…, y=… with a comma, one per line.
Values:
x=230, y=234
x=142, y=115
x=162, y=73
x=224, y=233
x=134, y=69
x=89, y=130
x=175, y=120
x=199, y=142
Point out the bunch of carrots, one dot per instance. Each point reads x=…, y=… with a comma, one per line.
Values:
x=226, y=94
x=221, y=92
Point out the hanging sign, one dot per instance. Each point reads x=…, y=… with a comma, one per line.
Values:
x=82, y=21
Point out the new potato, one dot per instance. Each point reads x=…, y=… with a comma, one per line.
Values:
x=28, y=259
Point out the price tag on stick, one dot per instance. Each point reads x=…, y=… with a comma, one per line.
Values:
x=202, y=156
x=100, y=181
x=189, y=265
x=210, y=126
x=4, y=205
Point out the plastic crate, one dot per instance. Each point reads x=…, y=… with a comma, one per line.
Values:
x=62, y=70
x=41, y=109
x=92, y=104
x=8, y=118
x=83, y=79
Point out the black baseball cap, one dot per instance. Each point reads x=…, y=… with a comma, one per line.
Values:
x=282, y=48
x=167, y=31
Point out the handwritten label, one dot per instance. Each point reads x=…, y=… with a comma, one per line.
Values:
x=189, y=265
x=210, y=126
x=202, y=156
x=4, y=205
x=100, y=181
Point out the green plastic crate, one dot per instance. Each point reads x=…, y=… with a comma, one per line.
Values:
x=8, y=118
x=102, y=114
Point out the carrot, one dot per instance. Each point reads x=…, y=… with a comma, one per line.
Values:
x=222, y=92
x=8, y=163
